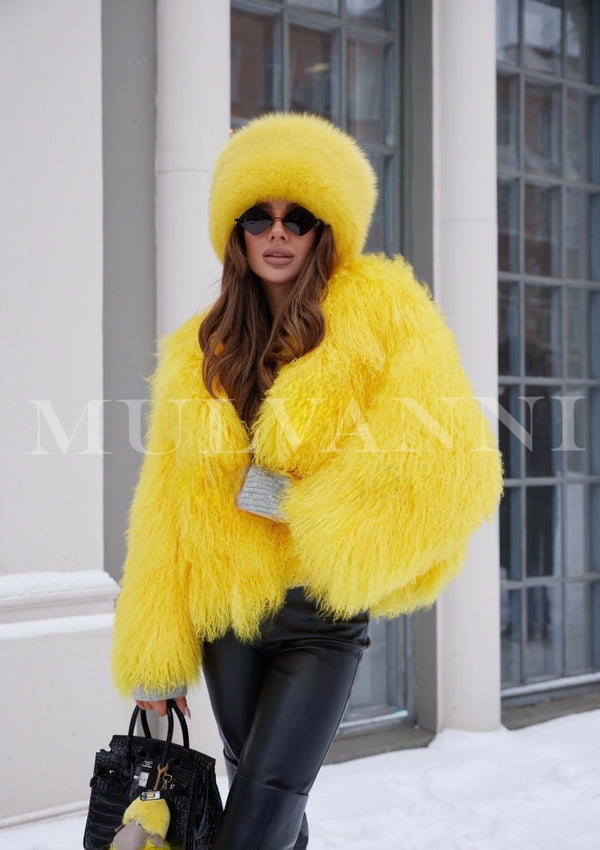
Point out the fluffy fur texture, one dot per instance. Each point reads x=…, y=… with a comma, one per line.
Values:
x=393, y=467
x=304, y=159
x=145, y=826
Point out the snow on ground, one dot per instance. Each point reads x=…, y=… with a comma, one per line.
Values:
x=533, y=789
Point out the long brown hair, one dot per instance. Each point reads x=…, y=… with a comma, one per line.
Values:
x=243, y=346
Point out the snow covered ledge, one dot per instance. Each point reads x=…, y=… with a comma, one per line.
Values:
x=45, y=595
x=59, y=703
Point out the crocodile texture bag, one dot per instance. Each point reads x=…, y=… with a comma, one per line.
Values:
x=135, y=764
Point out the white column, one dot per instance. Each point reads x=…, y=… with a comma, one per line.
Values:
x=192, y=125
x=465, y=271
x=56, y=601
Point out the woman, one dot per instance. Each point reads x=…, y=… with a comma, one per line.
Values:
x=315, y=455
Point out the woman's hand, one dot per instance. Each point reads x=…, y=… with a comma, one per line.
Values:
x=160, y=706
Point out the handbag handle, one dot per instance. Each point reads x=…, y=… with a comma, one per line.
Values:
x=185, y=735
x=172, y=707
x=145, y=727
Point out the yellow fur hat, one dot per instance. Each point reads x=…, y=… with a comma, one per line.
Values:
x=301, y=158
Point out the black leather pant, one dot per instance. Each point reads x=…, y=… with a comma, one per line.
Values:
x=278, y=703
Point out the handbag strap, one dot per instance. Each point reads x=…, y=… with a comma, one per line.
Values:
x=185, y=735
x=172, y=708
x=145, y=727
x=141, y=714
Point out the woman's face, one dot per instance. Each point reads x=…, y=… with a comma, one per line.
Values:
x=276, y=256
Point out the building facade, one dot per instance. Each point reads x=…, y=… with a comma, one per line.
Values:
x=482, y=120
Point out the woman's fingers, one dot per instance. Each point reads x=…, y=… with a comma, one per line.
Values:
x=181, y=703
x=157, y=705
x=160, y=706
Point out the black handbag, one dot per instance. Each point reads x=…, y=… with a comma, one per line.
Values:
x=133, y=765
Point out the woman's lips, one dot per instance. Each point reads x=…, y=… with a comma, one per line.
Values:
x=277, y=258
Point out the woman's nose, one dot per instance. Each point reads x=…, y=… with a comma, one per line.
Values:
x=277, y=229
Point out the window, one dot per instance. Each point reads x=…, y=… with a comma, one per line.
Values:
x=548, y=54
x=339, y=59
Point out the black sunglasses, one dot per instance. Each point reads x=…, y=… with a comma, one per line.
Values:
x=298, y=221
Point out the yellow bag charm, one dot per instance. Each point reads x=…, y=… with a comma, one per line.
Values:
x=145, y=824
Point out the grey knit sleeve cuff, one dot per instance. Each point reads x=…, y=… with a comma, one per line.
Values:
x=143, y=694
x=262, y=492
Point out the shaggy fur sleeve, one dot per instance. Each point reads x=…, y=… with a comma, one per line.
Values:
x=155, y=650
x=383, y=518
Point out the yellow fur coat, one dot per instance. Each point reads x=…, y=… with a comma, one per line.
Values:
x=393, y=467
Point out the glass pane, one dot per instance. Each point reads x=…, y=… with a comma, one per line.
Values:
x=542, y=331
x=580, y=614
x=311, y=63
x=544, y=424
x=574, y=403
x=378, y=237
x=595, y=526
x=507, y=125
x=507, y=31
x=583, y=137
x=510, y=629
x=331, y=7
x=576, y=341
x=542, y=230
x=593, y=115
x=510, y=535
x=542, y=128
x=582, y=34
x=366, y=91
x=575, y=529
x=509, y=328
x=544, y=632
x=256, y=83
x=543, y=532
x=594, y=230
x=508, y=225
x=595, y=430
x=582, y=229
x=373, y=691
x=595, y=593
x=511, y=430
x=542, y=35
x=378, y=13
x=576, y=235
x=594, y=334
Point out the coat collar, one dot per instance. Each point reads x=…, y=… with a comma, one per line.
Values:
x=313, y=397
